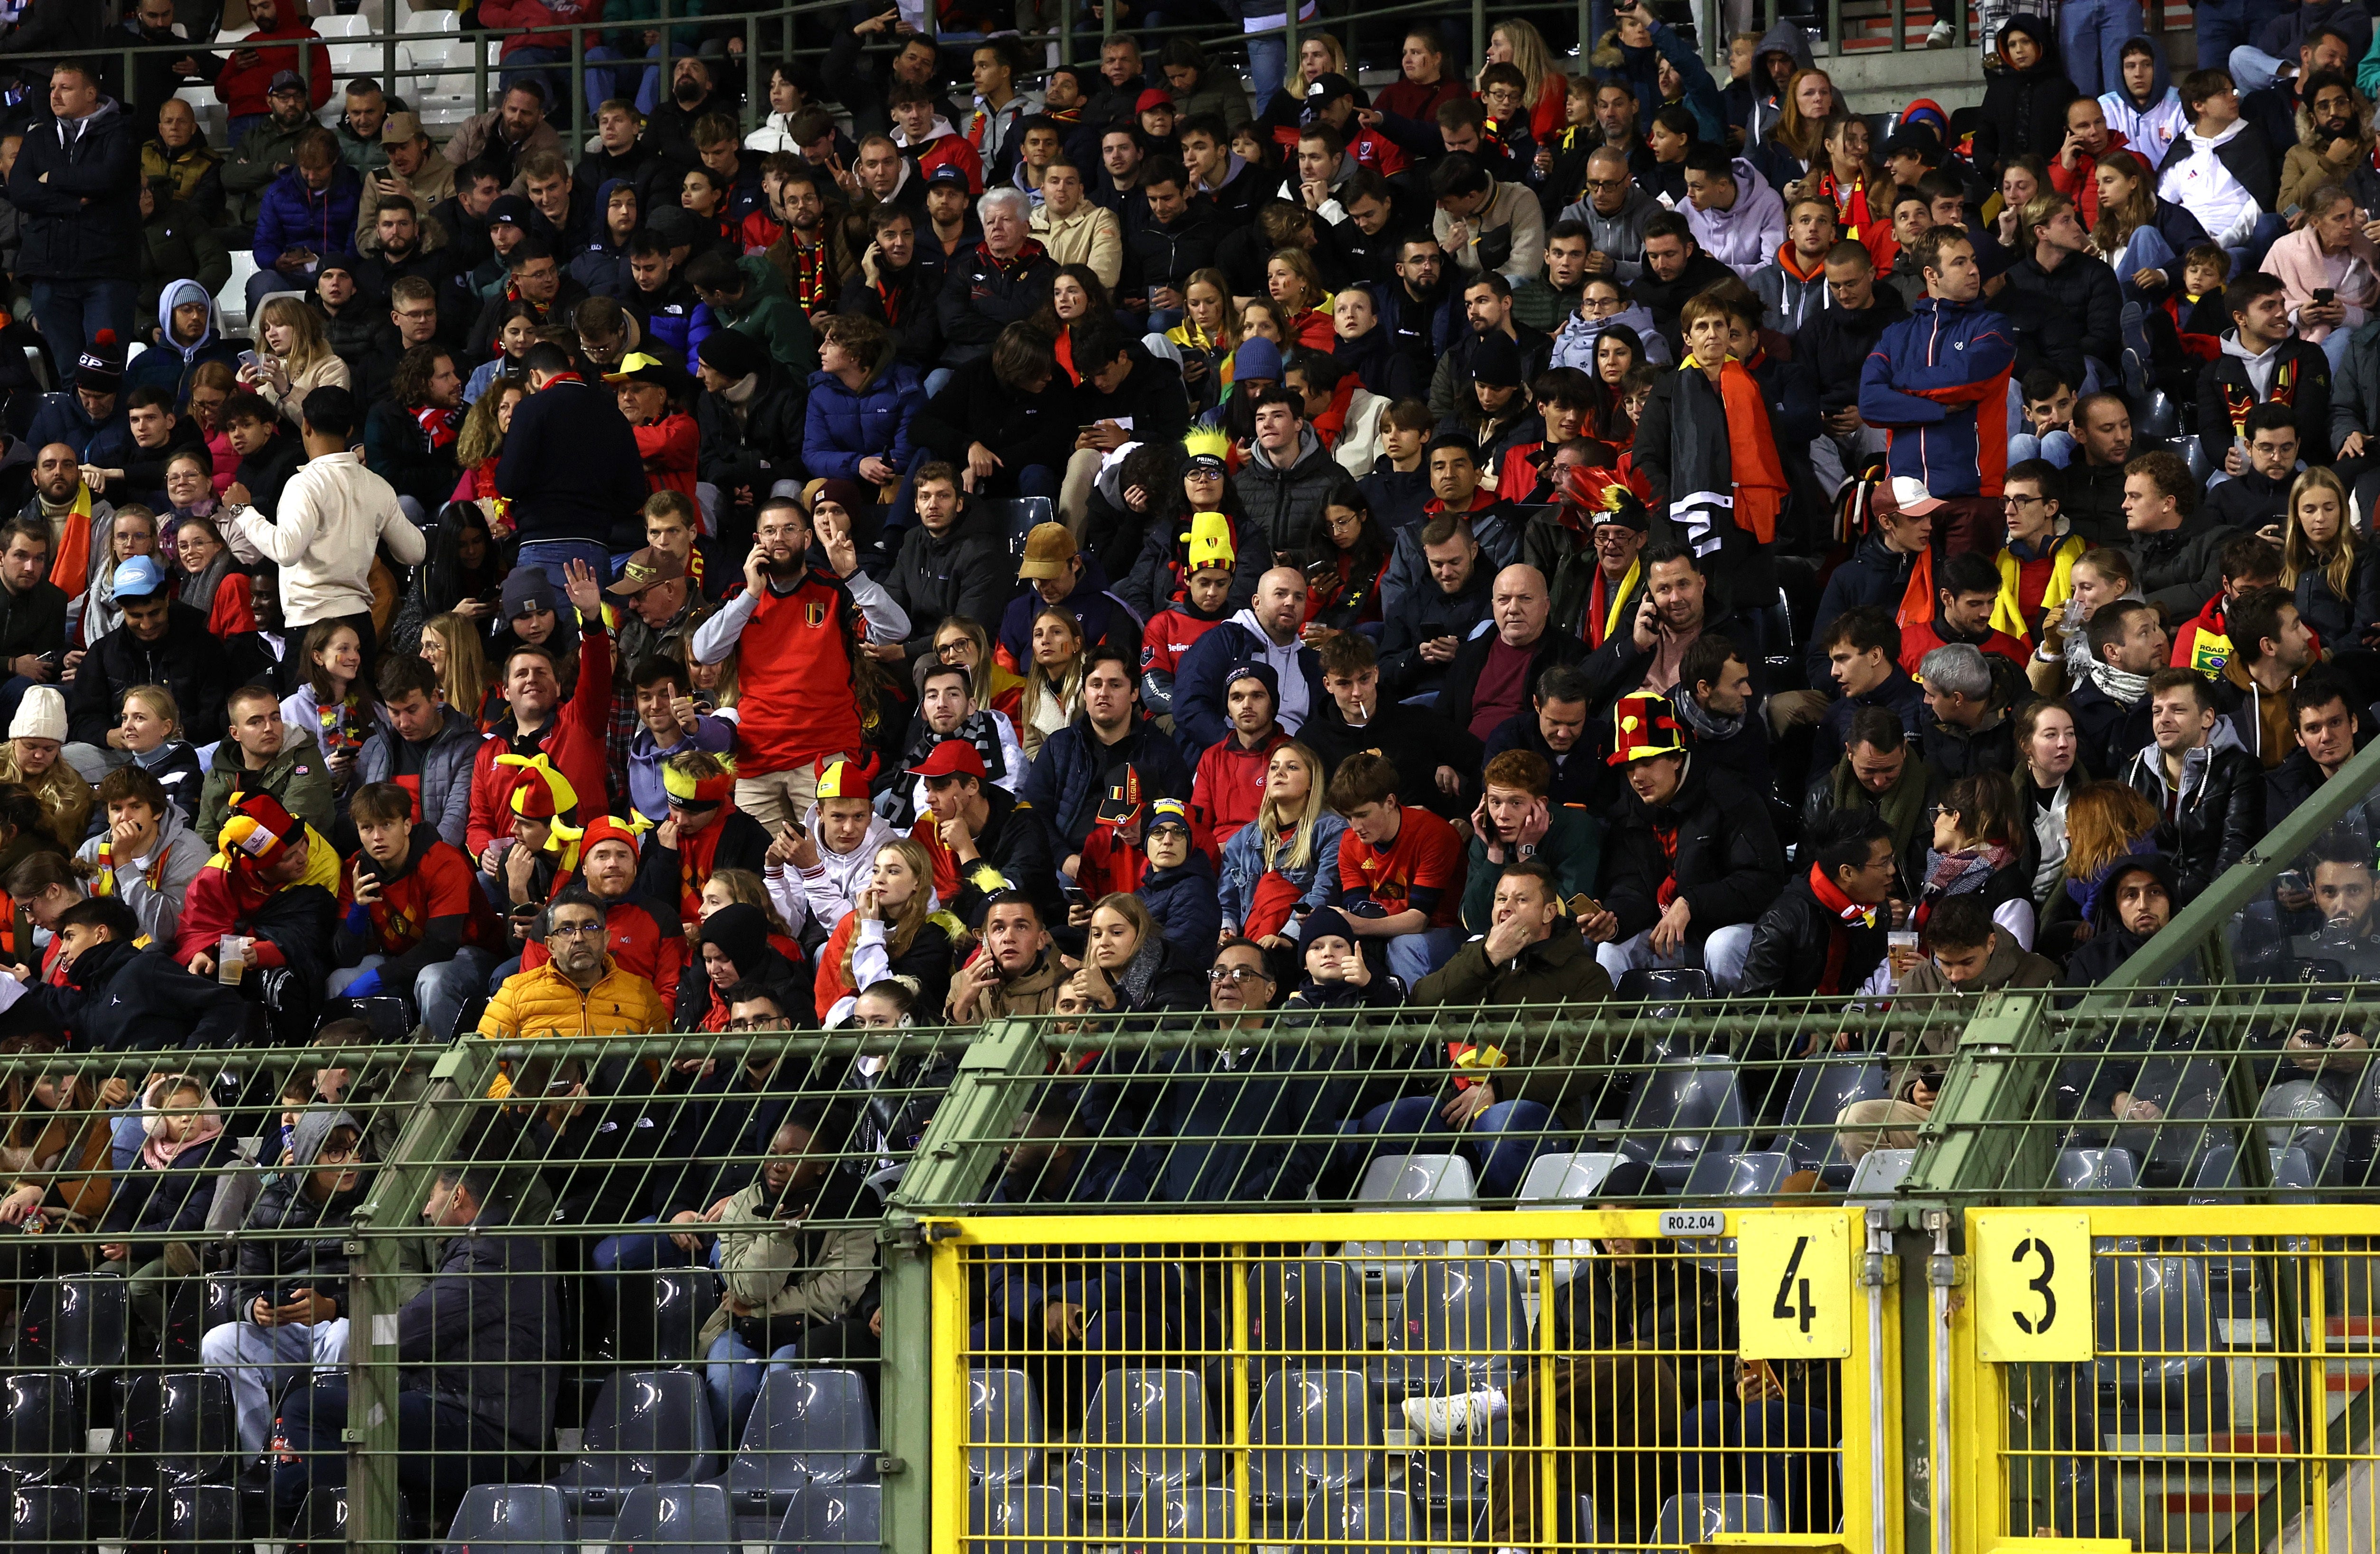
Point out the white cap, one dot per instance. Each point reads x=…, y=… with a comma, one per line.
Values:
x=1910, y=496
x=42, y=715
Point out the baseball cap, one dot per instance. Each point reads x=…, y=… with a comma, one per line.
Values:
x=1910, y=495
x=952, y=758
x=647, y=568
x=286, y=81
x=947, y=173
x=1155, y=97
x=400, y=127
x=1048, y=549
x=137, y=577
x=1327, y=88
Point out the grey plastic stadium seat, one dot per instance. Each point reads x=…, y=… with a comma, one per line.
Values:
x=831, y=1516
x=1377, y=1520
x=1018, y=1519
x=1463, y=1319
x=1879, y=1175
x=661, y=1315
x=807, y=1427
x=1749, y=1173
x=1566, y=1178
x=647, y=1427
x=1687, y=1519
x=1441, y=1182
x=1186, y=1522
x=1690, y=1107
x=1018, y=516
x=2107, y=1175
x=189, y=1519
x=46, y=1519
x=2155, y=1325
x=2188, y=1091
x=2298, y=1114
x=41, y=1426
x=1310, y=1308
x=673, y=1519
x=510, y=1519
x=1144, y=1432
x=1315, y=1429
x=1820, y=1092
x=1004, y=1430
x=84, y=1327
x=183, y=1420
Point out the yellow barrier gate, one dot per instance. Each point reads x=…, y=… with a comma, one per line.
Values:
x=1559, y=1378
x=2183, y=1379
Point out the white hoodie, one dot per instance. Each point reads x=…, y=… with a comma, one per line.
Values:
x=1296, y=706
x=827, y=892
x=2202, y=186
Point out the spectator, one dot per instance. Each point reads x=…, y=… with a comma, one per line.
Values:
x=2270, y=647
x=571, y=739
x=1967, y=725
x=1399, y=869
x=410, y=437
x=267, y=887
x=169, y=1191
x=1965, y=608
x=2263, y=361
x=308, y=217
x=1015, y=971
x=2208, y=791
x=2257, y=498
x=566, y=459
x=2331, y=254
x=75, y=186
x=2329, y=726
x=862, y=402
x=32, y=758
x=1283, y=864
x=2136, y=899
x=749, y=298
x=665, y=710
x=262, y=754
x=2220, y=168
x=1107, y=747
x=2335, y=580
x=1944, y=407
x=1489, y=679
x=1483, y=224
x=1268, y=633
x=1516, y=819
x=947, y=709
x=1821, y=937
x=2179, y=562
x=1001, y=281
x=1423, y=636
x=1672, y=616
x=2062, y=268
x=265, y=146
x=1837, y=341
x=1733, y=215
x=421, y=746
x=415, y=923
x=1792, y=283
x=2128, y=644
x=1177, y=882
x=1675, y=268
x=977, y=836
x=162, y=643
x=145, y=855
x=1237, y=773
x=645, y=935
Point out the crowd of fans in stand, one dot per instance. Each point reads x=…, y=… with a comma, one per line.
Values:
x=1495, y=534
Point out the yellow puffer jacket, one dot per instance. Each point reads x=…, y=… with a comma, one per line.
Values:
x=545, y=1002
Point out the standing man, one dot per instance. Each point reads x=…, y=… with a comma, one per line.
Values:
x=570, y=468
x=76, y=189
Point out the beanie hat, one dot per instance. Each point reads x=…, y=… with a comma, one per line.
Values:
x=731, y=354
x=1256, y=357
x=259, y=828
x=1260, y=672
x=1496, y=360
x=526, y=586
x=740, y=932
x=42, y=715
x=100, y=367
x=603, y=828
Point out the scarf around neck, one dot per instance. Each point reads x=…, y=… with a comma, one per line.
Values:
x=1708, y=725
x=2117, y=684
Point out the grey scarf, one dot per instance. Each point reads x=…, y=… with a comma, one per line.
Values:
x=1709, y=727
x=2117, y=684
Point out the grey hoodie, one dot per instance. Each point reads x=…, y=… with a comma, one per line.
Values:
x=1786, y=38
x=155, y=892
x=1621, y=234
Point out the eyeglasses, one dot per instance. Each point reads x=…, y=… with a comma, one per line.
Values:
x=1236, y=975
x=1607, y=183
x=573, y=930
x=768, y=1022
x=2012, y=500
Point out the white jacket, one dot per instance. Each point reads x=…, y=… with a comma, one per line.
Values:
x=828, y=891
x=334, y=512
x=2200, y=184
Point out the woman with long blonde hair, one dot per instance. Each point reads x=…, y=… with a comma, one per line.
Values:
x=1517, y=43
x=1296, y=837
x=2336, y=584
x=961, y=641
x=2106, y=824
x=451, y=646
x=889, y=931
x=1053, y=684
x=297, y=359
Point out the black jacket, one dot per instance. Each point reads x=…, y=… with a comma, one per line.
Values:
x=1425, y=613
x=1663, y=298
x=2221, y=810
x=1023, y=429
x=1952, y=752
x=757, y=446
x=570, y=466
x=1381, y=367
x=119, y=999
x=35, y=621
x=1166, y=253
x=398, y=451
x=2094, y=505
x=1873, y=574
x=1149, y=400
x=480, y=1332
x=1015, y=845
x=2109, y=732
x=2087, y=291
x=1463, y=674
x=2300, y=379
x=1414, y=739
x=2023, y=111
x=910, y=294
x=962, y=571
x=1791, y=942
x=1836, y=343
x=1064, y=785
x=980, y=297
x=1727, y=859
x=187, y=661
x=78, y=191
x=2180, y=569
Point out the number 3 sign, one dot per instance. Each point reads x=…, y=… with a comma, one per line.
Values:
x=1794, y=1285
x=2033, y=1287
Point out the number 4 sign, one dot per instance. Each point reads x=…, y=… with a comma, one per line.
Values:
x=2033, y=1287
x=1794, y=1285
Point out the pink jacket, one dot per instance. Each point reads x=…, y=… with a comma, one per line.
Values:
x=2296, y=261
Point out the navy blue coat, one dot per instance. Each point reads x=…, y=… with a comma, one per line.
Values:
x=166, y=1203
x=62, y=419
x=844, y=426
x=1064, y=783
x=65, y=238
x=1185, y=903
x=293, y=216
x=1872, y=575
x=1198, y=716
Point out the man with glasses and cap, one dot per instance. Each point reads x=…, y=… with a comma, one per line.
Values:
x=265, y=144
x=981, y=839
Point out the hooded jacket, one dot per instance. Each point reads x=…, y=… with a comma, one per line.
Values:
x=1620, y=234
x=2023, y=111
x=283, y=1258
x=77, y=185
x=1794, y=295
x=1791, y=39
x=117, y=998
x=169, y=365
x=1746, y=235
x=1938, y=381
x=2111, y=943
x=297, y=777
x=2217, y=814
x=1835, y=344
x=962, y=571
x=2150, y=125
x=2293, y=373
x=1200, y=720
x=838, y=879
x=1286, y=505
x=154, y=893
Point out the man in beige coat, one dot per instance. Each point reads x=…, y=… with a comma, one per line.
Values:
x=1074, y=230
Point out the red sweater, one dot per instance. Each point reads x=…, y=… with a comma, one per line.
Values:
x=243, y=87
x=220, y=902
x=574, y=741
x=1228, y=789
x=668, y=448
x=793, y=660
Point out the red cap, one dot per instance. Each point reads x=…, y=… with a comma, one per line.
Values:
x=1155, y=97
x=952, y=758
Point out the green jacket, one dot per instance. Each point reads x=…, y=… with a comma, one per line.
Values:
x=1571, y=848
x=1559, y=969
x=767, y=312
x=298, y=777
x=259, y=158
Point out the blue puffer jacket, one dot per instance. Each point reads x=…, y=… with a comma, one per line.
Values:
x=1243, y=865
x=846, y=425
x=673, y=319
x=1182, y=901
x=293, y=216
x=62, y=419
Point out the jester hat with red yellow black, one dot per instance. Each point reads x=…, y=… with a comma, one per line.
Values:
x=1642, y=726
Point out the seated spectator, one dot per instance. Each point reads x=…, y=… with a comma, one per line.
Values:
x=1284, y=864
x=2107, y=823
x=1975, y=848
x=796, y=1256
x=893, y=930
x=1234, y=775
x=263, y=755
x=2111, y=705
x=1486, y=223
x=1734, y=214
x=947, y=709
x=333, y=702
x=951, y=562
x=292, y=1290
x=2292, y=371
x=1715, y=699
x=1052, y=692
x=2036, y=565
x=1966, y=726
x=269, y=887
x=1420, y=639
x=145, y=855
x=2245, y=563
x=1489, y=677
x=167, y=1192
x=827, y=860
x=1001, y=281
x=2270, y=647
x=33, y=758
x=1677, y=610
x=2061, y=268
x=268, y=452
x=646, y=933
x=2136, y=899
x=980, y=839
x=1822, y=936
x=422, y=745
x=2327, y=718
x=149, y=734
x=1358, y=716
x=1268, y=632
x=1692, y=859
x=1399, y=869
x=1552, y=728
x=2336, y=580
x=1967, y=954
x=1059, y=572
x=2325, y=266
x=414, y=922
x=1130, y=967
x=2209, y=790
x=1177, y=882
x=1457, y=490
x=1516, y=820
x=1335, y=974
x=704, y=834
x=2256, y=498
x=1016, y=969
x=737, y=955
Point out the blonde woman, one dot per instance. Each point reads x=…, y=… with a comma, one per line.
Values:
x=1318, y=54
x=1521, y=45
x=963, y=642
x=149, y=726
x=1054, y=687
x=297, y=359
x=1207, y=334
x=1294, y=840
x=785, y=912
x=2336, y=586
x=891, y=931
x=451, y=645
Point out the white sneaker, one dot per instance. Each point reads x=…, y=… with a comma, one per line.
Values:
x=1466, y=1413
x=1938, y=35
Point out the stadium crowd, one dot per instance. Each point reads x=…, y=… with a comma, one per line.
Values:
x=1092, y=541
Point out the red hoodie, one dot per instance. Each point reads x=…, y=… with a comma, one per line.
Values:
x=1228, y=789
x=2081, y=182
x=668, y=448
x=243, y=87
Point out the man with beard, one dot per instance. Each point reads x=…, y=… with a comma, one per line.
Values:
x=1835, y=342
x=670, y=130
x=896, y=291
x=808, y=681
x=1122, y=173
x=414, y=320
x=266, y=149
x=1082, y=762
x=278, y=32
x=76, y=522
x=810, y=253
x=1690, y=860
x=1674, y=269
x=506, y=133
x=533, y=723
x=463, y=217
x=1421, y=311
x=412, y=170
x=1016, y=972
x=392, y=249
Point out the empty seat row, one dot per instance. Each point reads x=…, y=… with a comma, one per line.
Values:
x=809, y=1427
x=664, y=1518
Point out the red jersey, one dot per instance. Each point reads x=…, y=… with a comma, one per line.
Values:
x=437, y=883
x=1427, y=855
x=1168, y=635
x=1919, y=638
x=795, y=660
